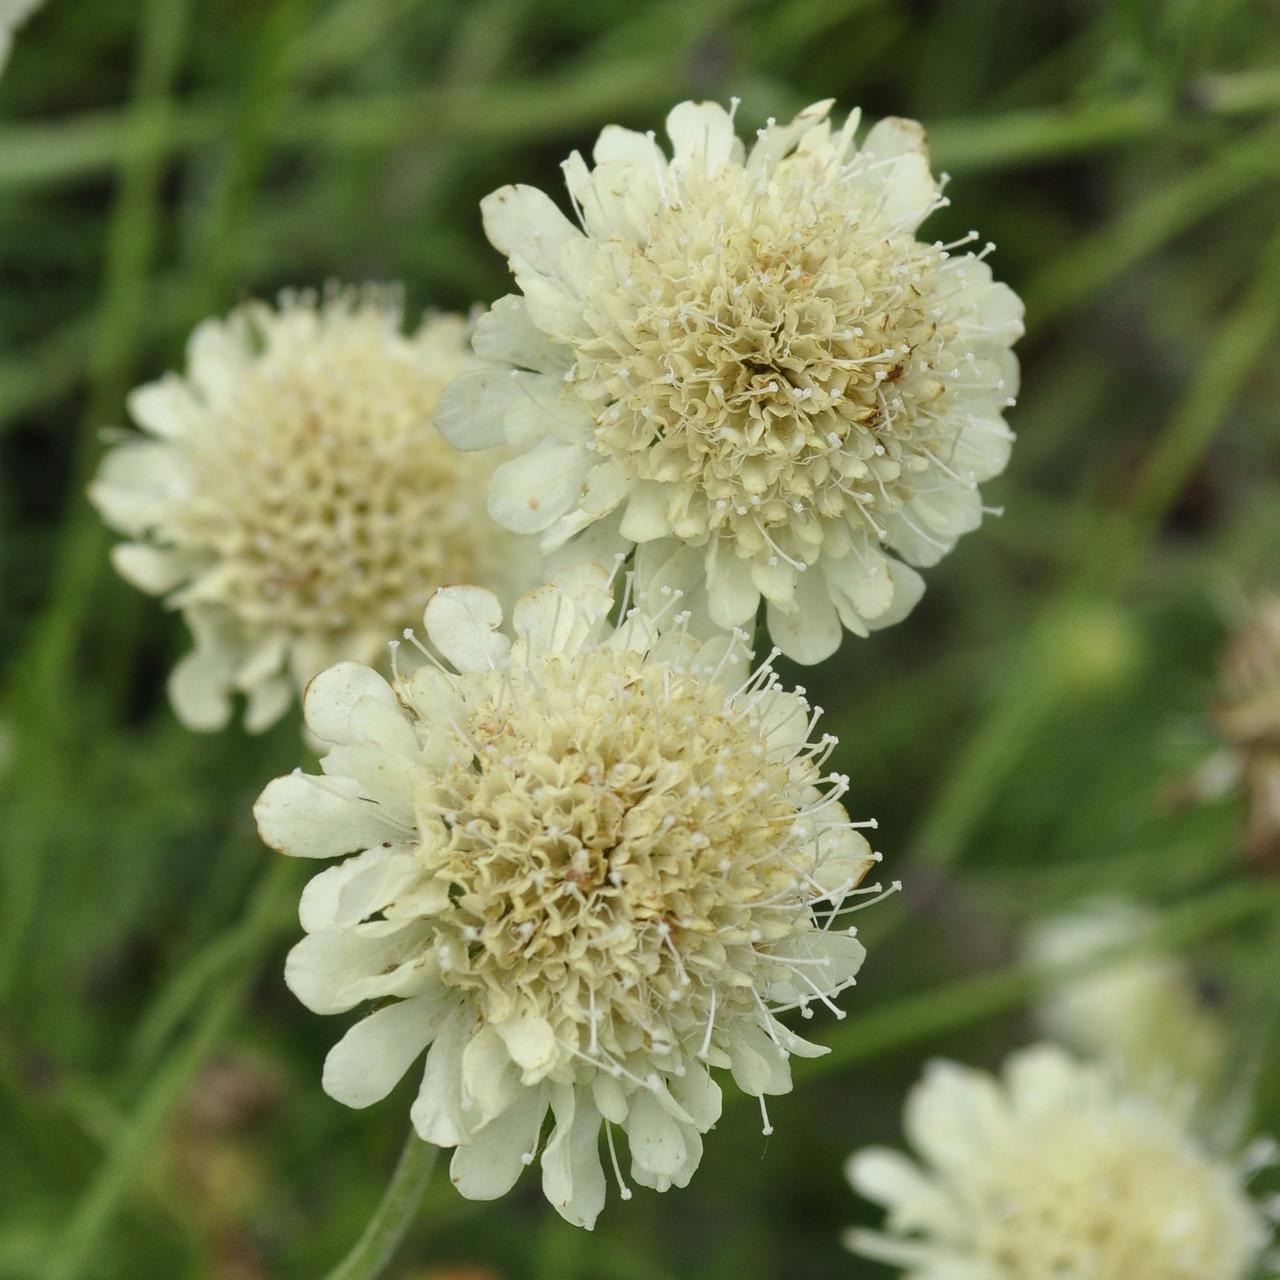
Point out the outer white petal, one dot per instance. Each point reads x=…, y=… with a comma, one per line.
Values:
x=471, y=412
x=490, y=1081
x=332, y=696
x=531, y=492
x=732, y=596
x=812, y=632
x=462, y=622
x=758, y=1064
x=165, y=408
x=332, y=971
x=437, y=1113
x=268, y=700
x=951, y=1115
x=200, y=689
x=490, y=1164
x=315, y=817
x=698, y=1094
x=526, y=225
x=506, y=335
x=702, y=136
x=356, y=888
x=138, y=483
x=908, y=587
x=217, y=354
x=572, y=1178
x=153, y=569
x=776, y=140
x=656, y=1138
x=369, y=1061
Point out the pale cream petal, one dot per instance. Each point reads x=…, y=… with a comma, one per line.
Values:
x=312, y=817
x=506, y=335
x=357, y=888
x=811, y=633
x=526, y=225
x=572, y=1177
x=153, y=569
x=732, y=596
x=472, y=409
x=199, y=689
x=702, y=136
x=268, y=700
x=655, y=1137
x=462, y=623
x=369, y=1061
x=336, y=969
x=437, y=1113
x=491, y=1162
x=332, y=696
x=529, y=493
x=165, y=408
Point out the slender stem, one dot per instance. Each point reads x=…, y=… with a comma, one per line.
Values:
x=394, y=1214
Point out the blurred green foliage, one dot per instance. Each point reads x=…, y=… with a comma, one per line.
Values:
x=1018, y=737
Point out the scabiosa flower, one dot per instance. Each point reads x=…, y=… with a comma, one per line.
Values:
x=593, y=863
x=749, y=362
x=1055, y=1171
x=290, y=496
x=1143, y=1012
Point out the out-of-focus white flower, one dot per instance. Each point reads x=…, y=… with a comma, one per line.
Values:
x=13, y=13
x=749, y=365
x=291, y=496
x=592, y=864
x=1141, y=1012
x=1054, y=1173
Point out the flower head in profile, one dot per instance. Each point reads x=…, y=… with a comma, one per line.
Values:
x=591, y=865
x=1142, y=1012
x=747, y=364
x=1055, y=1171
x=289, y=494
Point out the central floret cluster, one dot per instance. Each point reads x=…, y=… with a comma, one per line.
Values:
x=595, y=863
x=751, y=356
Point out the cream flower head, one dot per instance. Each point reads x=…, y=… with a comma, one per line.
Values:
x=748, y=365
x=1142, y=1012
x=1054, y=1172
x=290, y=495
x=591, y=864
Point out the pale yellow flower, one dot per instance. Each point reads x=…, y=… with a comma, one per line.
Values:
x=289, y=494
x=592, y=864
x=1054, y=1172
x=748, y=365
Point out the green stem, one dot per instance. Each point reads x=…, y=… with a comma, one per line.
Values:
x=394, y=1214
x=126, y=1157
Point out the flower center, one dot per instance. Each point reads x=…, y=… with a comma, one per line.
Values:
x=1122, y=1199
x=620, y=840
x=773, y=348
x=324, y=499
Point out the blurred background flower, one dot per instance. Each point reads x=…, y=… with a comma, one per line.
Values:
x=161, y=161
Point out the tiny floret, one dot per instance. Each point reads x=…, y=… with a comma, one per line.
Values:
x=1055, y=1170
x=592, y=864
x=289, y=494
x=746, y=365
